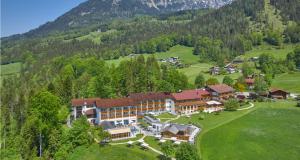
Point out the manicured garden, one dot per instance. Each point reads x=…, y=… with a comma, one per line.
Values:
x=271, y=131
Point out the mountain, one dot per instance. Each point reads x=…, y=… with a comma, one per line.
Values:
x=96, y=12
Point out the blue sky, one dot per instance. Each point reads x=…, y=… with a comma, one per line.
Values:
x=19, y=16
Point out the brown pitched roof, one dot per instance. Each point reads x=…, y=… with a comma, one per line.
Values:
x=221, y=88
x=150, y=96
x=84, y=101
x=118, y=102
x=190, y=94
x=275, y=90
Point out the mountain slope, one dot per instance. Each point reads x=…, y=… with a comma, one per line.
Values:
x=97, y=12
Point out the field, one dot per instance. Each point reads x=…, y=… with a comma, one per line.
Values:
x=288, y=81
x=184, y=53
x=10, y=69
x=192, y=71
x=269, y=49
x=270, y=132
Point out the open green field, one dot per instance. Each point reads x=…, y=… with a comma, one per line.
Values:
x=269, y=49
x=9, y=70
x=288, y=81
x=119, y=152
x=12, y=68
x=184, y=53
x=271, y=131
x=192, y=72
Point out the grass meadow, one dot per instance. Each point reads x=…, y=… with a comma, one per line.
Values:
x=271, y=131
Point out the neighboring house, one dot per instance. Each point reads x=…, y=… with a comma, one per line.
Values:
x=250, y=83
x=189, y=101
x=213, y=106
x=230, y=68
x=181, y=132
x=215, y=70
x=278, y=94
x=220, y=91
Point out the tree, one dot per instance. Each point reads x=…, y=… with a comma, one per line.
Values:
x=241, y=87
x=212, y=81
x=232, y=105
x=256, y=38
x=247, y=69
x=45, y=106
x=298, y=104
x=260, y=85
x=297, y=56
x=80, y=133
x=228, y=80
x=167, y=149
x=187, y=152
x=274, y=38
x=41, y=121
x=200, y=81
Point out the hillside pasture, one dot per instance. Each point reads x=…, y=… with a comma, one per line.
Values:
x=184, y=53
x=288, y=81
x=192, y=71
x=12, y=68
x=278, y=53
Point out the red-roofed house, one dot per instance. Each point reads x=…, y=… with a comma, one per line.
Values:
x=250, y=82
x=220, y=91
x=189, y=101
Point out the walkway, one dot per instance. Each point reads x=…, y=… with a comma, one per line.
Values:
x=178, y=116
x=251, y=106
x=151, y=148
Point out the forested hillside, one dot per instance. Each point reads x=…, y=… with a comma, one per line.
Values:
x=72, y=64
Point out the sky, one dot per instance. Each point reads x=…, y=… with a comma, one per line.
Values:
x=19, y=16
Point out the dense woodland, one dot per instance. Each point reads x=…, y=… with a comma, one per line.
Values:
x=59, y=67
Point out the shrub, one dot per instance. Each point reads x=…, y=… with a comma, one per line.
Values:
x=232, y=105
x=298, y=104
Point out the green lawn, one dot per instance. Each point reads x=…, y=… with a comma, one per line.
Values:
x=119, y=152
x=288, y=81
x=165, y=115
x=138, y=136
x=271, y=131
